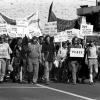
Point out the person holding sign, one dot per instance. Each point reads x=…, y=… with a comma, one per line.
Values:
x=92, y=55
x=74, y=61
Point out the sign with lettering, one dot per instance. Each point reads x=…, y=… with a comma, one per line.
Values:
x=86, y=29
x=50, y=28
x=3, y=51
x=22, y=22
x=12, y=31
x=3, y=28
x=61, y=37
x=76, y=52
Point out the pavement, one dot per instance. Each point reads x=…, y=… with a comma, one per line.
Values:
x=53, y=91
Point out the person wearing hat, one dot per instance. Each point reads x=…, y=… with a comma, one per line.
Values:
x=34, y=57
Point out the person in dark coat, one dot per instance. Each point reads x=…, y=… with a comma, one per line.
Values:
x=48, y=52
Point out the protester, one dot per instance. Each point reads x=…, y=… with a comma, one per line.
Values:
x=24, y=54
x=60, y=59
x=41, y=64
x=4, y=57
x=34, y=57
x=48, y=51
x=17, y=60
x=74, y=61
x=92, y=55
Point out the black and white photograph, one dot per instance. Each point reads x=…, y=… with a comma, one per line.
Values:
x=49, y=49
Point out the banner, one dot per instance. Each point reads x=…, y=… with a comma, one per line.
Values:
x=3, y=29
x=33, y=25
x=86, y=30
x=50, y=28
x=3, y=51
x=76, y=52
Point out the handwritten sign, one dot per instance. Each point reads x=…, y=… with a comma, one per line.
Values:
x=3, y=51
x=3, y=28
x=76, y=52
x=50, y=28
x=22, y=22
x=12, y=31
x=86, y=29
x=61, y=37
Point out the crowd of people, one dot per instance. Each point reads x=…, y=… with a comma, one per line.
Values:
x=42, y=60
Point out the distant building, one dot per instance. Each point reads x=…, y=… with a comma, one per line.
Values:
x=92, y=15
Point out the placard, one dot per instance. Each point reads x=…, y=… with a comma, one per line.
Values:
x=12, y=31
x=50, y=28
x=3, y=28
x=86, y=30
x=76, y=52
x=61, y=37
x=3, y=51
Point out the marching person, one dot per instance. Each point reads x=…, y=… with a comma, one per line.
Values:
x=17, y=60
x=92, y=55
x=48, y=52
x=61, y=59
x=24, y=53
x=34, y=57
x=5, y=54
x=74, y=61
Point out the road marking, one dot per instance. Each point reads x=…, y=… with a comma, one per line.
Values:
x=65, y=92
x=20, y=87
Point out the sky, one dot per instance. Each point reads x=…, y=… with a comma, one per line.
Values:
x=65, y=9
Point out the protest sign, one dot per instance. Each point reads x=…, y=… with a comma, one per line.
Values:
x=61, y=37
x=3, y=51
x=86, y=30
x=22, y=22
x=12, y=31
x=34, y=31
x=72, y=33
x=20, y=32
x=76, y=52
x=22, y=27
x=50, y=28
x=3, y=29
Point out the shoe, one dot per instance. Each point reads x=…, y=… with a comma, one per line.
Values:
x=73, y=83
x=47, y=83
x=34, y=83
x=91, y=83
x=1, y=82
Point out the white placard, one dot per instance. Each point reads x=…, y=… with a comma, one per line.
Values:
x=3, y=28
x=3, y=51
x=86, y=29
x=22, y=22
x=76, y=52
x=61, y=37
x=12, y=31
x=20, y=32
x=50, y=28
